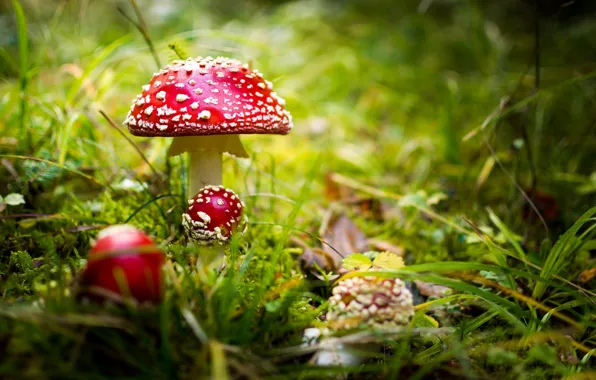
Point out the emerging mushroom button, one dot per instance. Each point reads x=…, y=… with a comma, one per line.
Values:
x=378, y=302
x=213, y=215
x=124, y=262
x=205, y=103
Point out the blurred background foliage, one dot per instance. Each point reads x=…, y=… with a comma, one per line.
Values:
x=414, y=97
x=360, y=77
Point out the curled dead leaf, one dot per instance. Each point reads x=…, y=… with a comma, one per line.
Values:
x=428, y=289
x=587, y=275
x=312, y=257
x=343, y=238
x=368, y=207
x=385, y=246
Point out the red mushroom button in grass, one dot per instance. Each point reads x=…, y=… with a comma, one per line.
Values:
x=123, y=264
x=205, y=104
x=213, y=215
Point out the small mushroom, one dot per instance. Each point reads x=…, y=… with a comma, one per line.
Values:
x=213, y=215
x=377, y=302
x=124, y=263
x=380, y=303
x=205, y=104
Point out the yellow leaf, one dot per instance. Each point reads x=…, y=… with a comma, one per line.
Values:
x=356, y=261
x=388, y=260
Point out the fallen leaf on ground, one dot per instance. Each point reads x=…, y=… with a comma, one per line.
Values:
x=385, y=246
x=336, y=192
x=345, y=238
x=428, y=289
x=367, y=206
x=587, y=275
x=312, y=257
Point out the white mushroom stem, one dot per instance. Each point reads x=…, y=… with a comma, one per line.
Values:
x=204, y=168
x=332, y=353
x=338, y=356
x=205, y=165
x=209, y=258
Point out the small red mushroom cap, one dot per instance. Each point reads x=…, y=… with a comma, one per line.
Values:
x=124, y=262
x=545, y=202
x=213, y=215
x=207, y=96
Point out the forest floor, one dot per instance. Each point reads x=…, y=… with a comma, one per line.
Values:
x=426, y=133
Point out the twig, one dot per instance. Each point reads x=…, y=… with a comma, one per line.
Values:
x=338, y=178
x=142, y=28
x=360, y=338
x=511, y=178
x=176, y=50
x=73, y=319
x=528, y=146
x=113, y=124
x=54, y=164
x=18, y=216
x=194, y=325
x=528, y=300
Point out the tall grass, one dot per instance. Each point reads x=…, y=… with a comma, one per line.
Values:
x=389, y=104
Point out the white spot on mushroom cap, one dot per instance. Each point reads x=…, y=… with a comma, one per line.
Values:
x=181, y=98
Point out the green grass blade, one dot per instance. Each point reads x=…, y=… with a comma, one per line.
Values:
x=97, y=60
x=23, y=34
x=53, y=164
x=9, y=60
x=507, y=232
x=557, y=257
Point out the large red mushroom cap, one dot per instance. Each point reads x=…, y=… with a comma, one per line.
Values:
x=213, y=215
x=207, y=96
x=123, y=263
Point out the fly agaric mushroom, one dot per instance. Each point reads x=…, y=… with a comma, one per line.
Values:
x=213, y=215
x=377, y=302
x=123, y=263
x=381, y=303
x=205, y=103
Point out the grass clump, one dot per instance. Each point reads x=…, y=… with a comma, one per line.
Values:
x=422, y=123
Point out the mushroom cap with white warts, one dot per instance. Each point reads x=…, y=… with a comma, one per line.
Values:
x=377, y=302
x=213, y=215
x=207, y=96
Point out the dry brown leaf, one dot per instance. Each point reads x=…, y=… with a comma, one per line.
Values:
x=587, y=275
x=368, y=207
x=312, y=257
x=428, y=289
x=385, y=246
x=336, y=192
x=343, y=237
